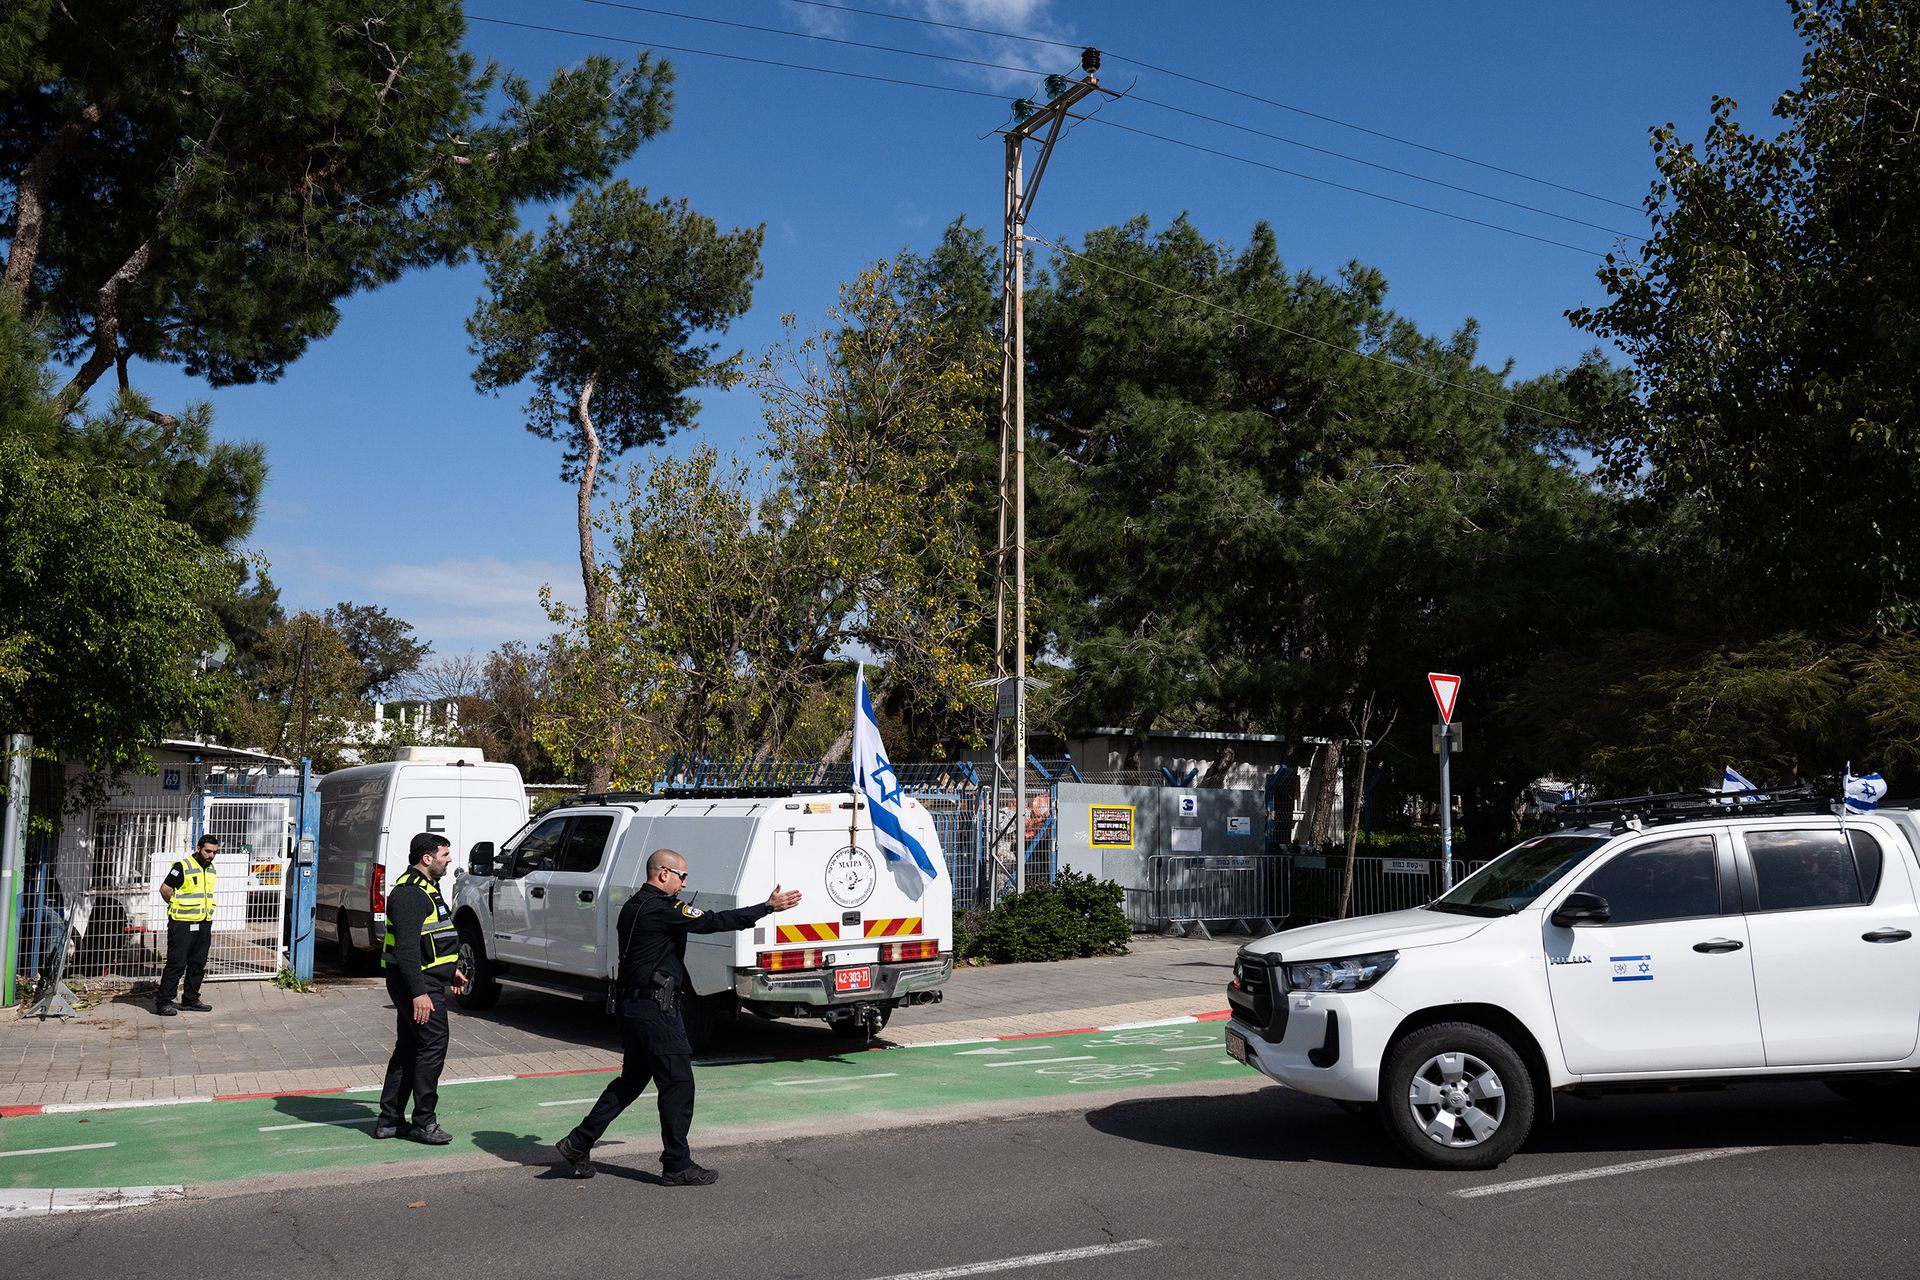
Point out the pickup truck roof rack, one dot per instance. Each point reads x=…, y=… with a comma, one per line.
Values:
x=704, y=793
x=1628, y=812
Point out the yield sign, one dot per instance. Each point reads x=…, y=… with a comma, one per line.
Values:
x=1445, y=689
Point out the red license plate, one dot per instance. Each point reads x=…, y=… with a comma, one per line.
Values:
x=853, y=979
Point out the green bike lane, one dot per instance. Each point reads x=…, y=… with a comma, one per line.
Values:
x=198, y=1143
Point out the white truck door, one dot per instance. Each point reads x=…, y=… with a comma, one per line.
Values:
x=1834, y=947
x=520, y=891
x=569, y=915
x=1668, y=983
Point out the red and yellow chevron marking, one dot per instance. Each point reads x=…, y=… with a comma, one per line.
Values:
x=828, y=932
x=893, y=928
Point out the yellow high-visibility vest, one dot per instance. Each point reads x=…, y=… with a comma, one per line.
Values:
x=439, y=940
x=192, y=902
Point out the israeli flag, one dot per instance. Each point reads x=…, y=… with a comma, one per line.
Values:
x=1863, y=792
x=873, y=777
x=1731, y=779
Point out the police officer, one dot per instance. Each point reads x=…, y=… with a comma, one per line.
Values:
x=188, y=893
x=653, y=930
x=421, y=957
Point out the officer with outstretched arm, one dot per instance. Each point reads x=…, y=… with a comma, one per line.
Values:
x=422, y=962
x=653, y=981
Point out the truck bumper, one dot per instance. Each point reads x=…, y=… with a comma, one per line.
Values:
x=812, y=990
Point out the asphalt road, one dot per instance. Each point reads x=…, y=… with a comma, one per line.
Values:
x=1227, y=1179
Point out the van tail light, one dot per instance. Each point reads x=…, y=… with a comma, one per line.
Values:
x=895, y=952
x=776, y=961
x=379, y=888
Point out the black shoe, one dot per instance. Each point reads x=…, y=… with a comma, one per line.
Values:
x=385, y=1130
x=166, y=1010
x=578, y=1166
x=198, y=1006
x=433, y=1135
x=692, y=1176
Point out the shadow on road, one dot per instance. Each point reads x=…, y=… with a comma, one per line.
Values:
x=1275, y=1125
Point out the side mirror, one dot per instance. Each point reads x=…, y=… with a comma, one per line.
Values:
x=1581, y=908
x=480, y=859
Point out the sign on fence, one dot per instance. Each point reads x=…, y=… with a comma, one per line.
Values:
x=1110, y=826
x=1407, y=866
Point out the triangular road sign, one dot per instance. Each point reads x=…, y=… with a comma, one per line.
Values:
x=1445, y=689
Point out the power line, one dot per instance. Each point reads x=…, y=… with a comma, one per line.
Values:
x=1223, y=88
x=1433, y=378
x=981, y=93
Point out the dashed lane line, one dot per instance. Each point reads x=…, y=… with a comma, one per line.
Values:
x=54, y=1151
x=815, y=1080
x=1025, y=1260
x=1034, y=1062
x=1608, y=1171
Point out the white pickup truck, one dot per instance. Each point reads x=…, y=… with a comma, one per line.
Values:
x=868, y=937
x=1678, y=945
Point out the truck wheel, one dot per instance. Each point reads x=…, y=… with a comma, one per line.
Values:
x=345, y=954
x=1457, y=1096
x=483, y=989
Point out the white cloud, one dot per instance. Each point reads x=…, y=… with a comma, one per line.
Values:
x=473, y=604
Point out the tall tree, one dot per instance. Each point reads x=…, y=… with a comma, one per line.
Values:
x=607, y=315
x=203, y=183
x=382, y=644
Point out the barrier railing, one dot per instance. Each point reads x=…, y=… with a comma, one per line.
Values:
x=1379, y=884
x=1239, y=893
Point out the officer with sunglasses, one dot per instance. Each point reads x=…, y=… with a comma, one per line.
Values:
x=653, y=983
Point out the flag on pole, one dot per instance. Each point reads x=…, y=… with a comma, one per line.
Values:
x=1732, y=780
x=873, y=777
x=1864, y=792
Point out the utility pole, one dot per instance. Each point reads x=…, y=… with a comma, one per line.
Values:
x=1041, y=124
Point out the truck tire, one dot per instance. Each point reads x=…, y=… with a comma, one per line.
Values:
x=1456, y=1095
x=350, y=958
x=483, y=989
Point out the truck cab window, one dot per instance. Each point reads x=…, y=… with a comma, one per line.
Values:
x=586, y=841
x=1670, y=880
x=1800, y=869
x=541, y=850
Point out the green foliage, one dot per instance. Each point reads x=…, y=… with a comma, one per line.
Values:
x=204, y=183
x=1075, y=916
x=288, y=980
x=382, y=644
x=300, y=695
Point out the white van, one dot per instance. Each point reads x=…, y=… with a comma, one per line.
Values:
x=869, y=937
x=370, y=813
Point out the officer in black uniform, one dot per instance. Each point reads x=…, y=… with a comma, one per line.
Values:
x=422, y=962
x=188, y=893
x=653, y=930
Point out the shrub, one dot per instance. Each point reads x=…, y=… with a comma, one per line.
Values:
x=1076, y=915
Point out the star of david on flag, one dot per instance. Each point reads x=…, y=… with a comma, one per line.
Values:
x=873, y=777
x=1863, y=792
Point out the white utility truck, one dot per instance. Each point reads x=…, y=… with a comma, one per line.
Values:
x=370, y=813
x=1670, y=943
x=868, y=937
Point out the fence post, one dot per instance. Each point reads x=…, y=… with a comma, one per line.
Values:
x=13, y=856
x=302, y=901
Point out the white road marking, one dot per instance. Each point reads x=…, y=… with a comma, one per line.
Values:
x=1192, y=1048
x=56, y=1108
x=37, y=1202
x=571, y=1102
x=1608, y=1171
x=318, y=1124
x=877, y=1075
x=54, y=1151
x=447, y=1084
x=732, y=1062
x=1026, y=1260
x=1162, y=1022
x=948, y=1044
x=1032, y=1048
x=1034, y=1062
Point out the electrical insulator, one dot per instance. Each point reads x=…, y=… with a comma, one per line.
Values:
x=1022, y=108
x=1089, y=60
x=1056, y=85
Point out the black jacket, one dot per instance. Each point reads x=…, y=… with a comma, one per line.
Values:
x=653, y=931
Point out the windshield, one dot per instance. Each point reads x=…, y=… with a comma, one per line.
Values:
x=1518, y=876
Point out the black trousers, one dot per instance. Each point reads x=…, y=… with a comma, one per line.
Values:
x=186, y=955
x=654, y=1050
x=419, y=1052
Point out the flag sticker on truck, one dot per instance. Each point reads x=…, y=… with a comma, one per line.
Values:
x=1632, y=968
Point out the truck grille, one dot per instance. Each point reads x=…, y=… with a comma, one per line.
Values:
x=1258, y=996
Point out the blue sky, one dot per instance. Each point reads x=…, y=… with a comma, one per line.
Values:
x=395, y=483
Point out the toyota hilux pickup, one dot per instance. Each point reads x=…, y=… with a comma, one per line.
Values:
x=1677, y=944
x=868, y=937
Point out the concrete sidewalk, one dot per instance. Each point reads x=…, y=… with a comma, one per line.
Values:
x=261, y=1039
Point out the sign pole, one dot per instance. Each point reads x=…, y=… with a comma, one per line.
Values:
x=1446, y=688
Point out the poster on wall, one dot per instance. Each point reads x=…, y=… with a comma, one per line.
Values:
x=1110, y=826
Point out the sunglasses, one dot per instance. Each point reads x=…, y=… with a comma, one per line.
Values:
x=674, y=871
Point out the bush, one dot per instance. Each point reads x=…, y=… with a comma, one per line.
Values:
x=1076, y=915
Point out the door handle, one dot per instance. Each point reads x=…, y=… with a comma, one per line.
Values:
x=1886, y=935
x=536, y=892
x=1714, y=945
x=586, y=895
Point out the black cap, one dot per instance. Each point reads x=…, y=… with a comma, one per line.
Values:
x=425, y=843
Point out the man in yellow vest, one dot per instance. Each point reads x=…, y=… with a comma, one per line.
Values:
x=422, y=961
x=188, y=893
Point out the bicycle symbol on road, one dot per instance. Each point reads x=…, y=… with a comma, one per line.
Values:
x=1159, y=1035
x=1108, y=1073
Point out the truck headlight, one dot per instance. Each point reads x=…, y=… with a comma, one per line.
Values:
x=1351, y=973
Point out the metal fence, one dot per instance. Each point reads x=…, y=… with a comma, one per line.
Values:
x=1197, y=895
x=1379, y=884
x=91, y=906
